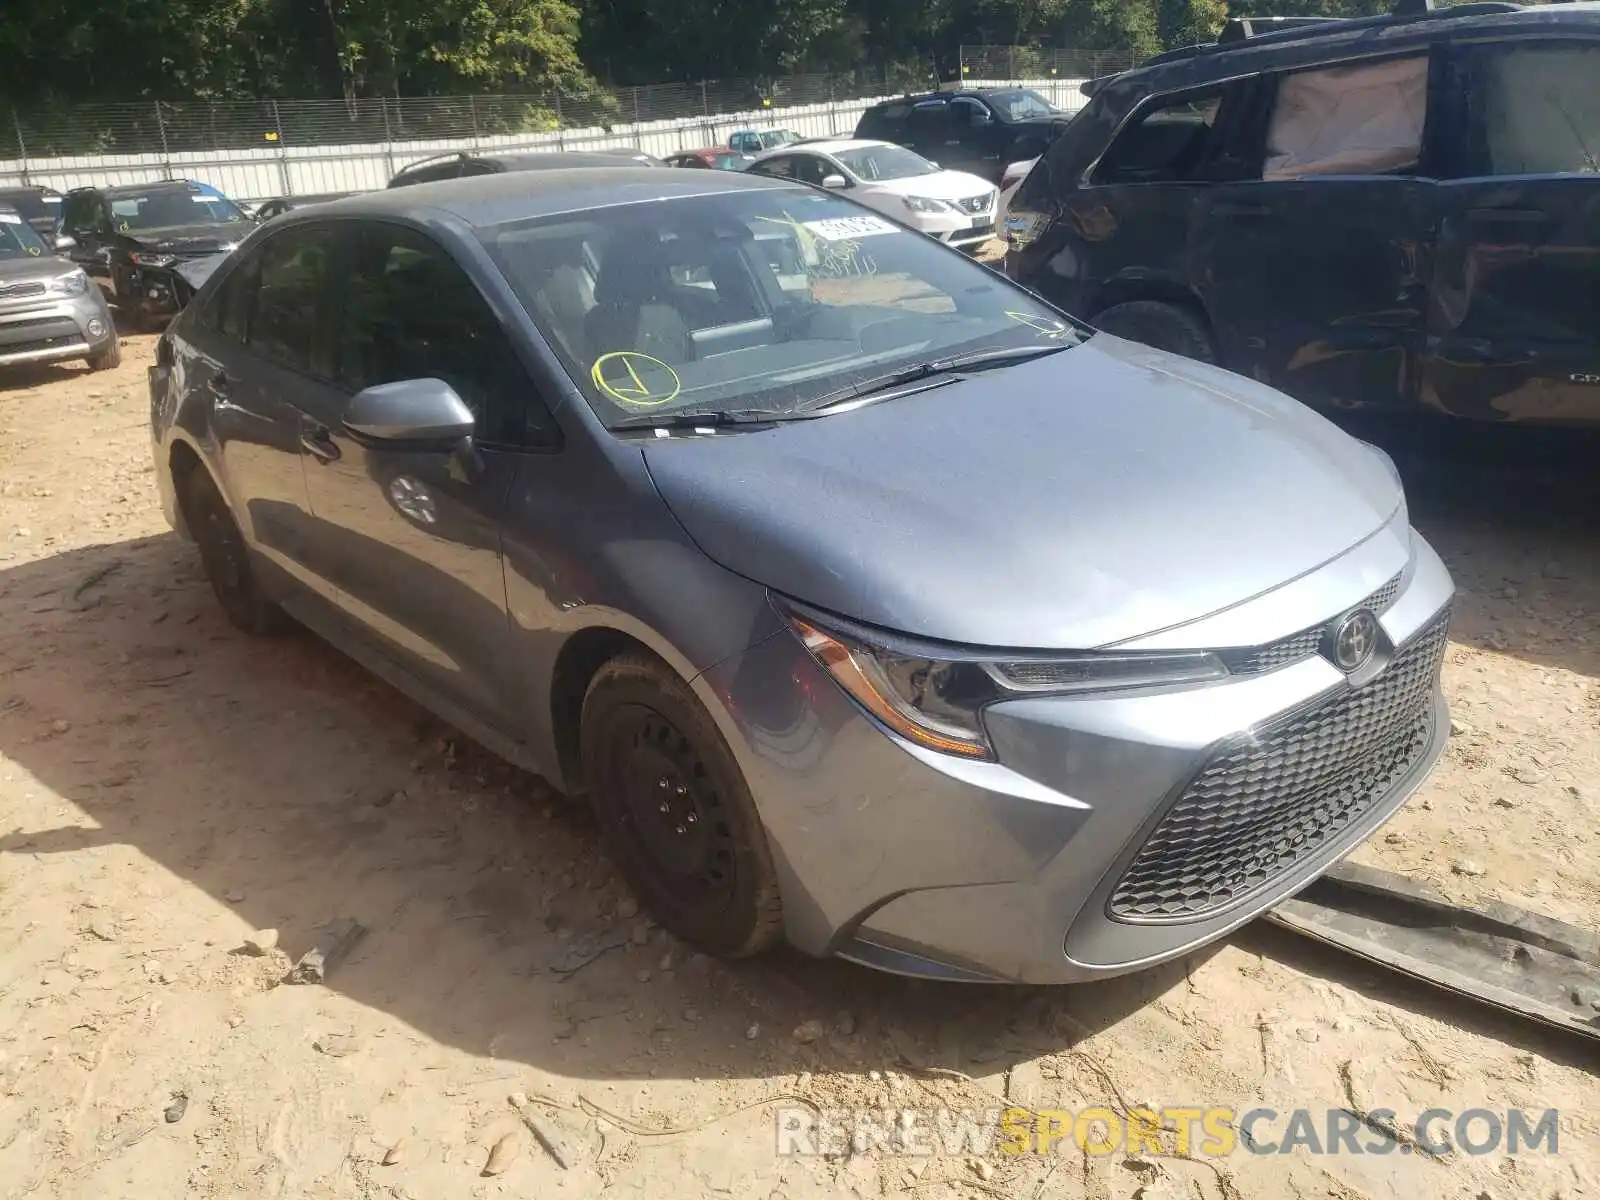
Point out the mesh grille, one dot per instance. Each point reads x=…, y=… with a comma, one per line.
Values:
x=1258, y=659
x=55, y=343
x=20, y=291
x=1261, y=806
x=974, y=204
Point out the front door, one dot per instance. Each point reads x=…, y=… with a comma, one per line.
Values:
x=1514, y=322
x=408, y=540
x=84, y=218
x=1314, y=269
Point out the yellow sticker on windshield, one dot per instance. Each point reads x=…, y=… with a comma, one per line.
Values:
x=122, y=227
x=1048, y=326
x=635, y=380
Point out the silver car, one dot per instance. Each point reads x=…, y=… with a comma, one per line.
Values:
x=50, y=311
x=871, y=602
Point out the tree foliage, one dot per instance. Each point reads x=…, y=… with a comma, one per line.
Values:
x=72, y=51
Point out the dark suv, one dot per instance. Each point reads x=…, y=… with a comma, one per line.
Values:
x=40, y=207
x=462, y=165
x=1392, y=212
x=981, y=130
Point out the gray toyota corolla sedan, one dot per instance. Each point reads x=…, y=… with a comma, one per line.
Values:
x=870, y=601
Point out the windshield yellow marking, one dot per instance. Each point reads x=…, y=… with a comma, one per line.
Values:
x=632, y=391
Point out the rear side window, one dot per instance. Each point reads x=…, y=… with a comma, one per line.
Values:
x=289, y=284
x=1361, y=119
x=1540, y=109
x=1169, y=142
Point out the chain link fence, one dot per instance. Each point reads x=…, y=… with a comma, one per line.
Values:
x=254, y=149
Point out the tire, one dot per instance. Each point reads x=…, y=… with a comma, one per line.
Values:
x=226, y=558
x=675, y=812
x=1163, y=326
x=109, y=358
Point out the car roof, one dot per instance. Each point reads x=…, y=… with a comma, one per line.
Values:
x=823, y=146
x=32, y=189
x=485, y=200
x=1306, y=42
x=917, y=97
x=145, y=189
x=535, y=160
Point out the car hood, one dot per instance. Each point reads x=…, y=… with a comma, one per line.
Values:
x=46, y=266
x=1079, y=500
x=208, y=238
x=941, y=185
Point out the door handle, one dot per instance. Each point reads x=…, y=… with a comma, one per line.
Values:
x=319, y=443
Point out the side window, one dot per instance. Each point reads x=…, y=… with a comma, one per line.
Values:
x=1537, y=109
x=929, y=120
x=82, y=212
x=808, y=168
x=478, y=167
x=1360, y=119
x=969, y=113
x=781, y=167
x=229, y=309
x=410, y=312
x=1170, y=141
x=290, y=277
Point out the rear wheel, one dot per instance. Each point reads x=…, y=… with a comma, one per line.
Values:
x=1156, y=323
x=226, y=558
x=675, y=810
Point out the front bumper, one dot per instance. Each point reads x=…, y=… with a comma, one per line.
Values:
x=54, y=330
x=960, y=229
x=920, y=863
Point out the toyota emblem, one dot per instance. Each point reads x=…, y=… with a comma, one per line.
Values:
x=1354, y=640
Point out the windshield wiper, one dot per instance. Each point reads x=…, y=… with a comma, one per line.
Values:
x=952, y=366
x=700, y=418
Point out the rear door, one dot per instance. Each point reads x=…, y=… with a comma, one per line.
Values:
x=1310, y=249
x=407, y=542
x=972, y=142
x=259, y=341
x=928, y=127
x=1514, y=318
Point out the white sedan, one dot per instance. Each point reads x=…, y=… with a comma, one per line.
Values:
x=952, y=206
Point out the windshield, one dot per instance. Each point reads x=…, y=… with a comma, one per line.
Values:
x=764, y=301
x=172, y=206
x=778, y=137
x=885, y=162
x=17, y=238
x=1023, y=104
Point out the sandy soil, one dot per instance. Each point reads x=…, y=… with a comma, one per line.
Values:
x=169, y=787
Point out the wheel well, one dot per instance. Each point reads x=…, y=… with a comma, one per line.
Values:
x=183, y=462
x=1121, y=291
x=584, y=653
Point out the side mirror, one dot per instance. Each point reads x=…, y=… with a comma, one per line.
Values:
x=65, y=242
x=410, y=410
x=835, y=181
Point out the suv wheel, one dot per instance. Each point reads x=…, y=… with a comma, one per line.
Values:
x=674, y=809
x=1155, y=323
x=105, y=360
x=226, y=558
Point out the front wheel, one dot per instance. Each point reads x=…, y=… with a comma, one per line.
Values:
x=1158, y=324
x=675, y=811
x=107, y=358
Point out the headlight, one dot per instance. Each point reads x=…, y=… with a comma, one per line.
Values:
x=926, y=204
x=144, y=258
x=73, y=283
x=935, y=698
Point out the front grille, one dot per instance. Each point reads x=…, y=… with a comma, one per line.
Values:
x=974, y=204
x=50, y=343
x=1258, y=659
x=21, y=291
x=1268, y=800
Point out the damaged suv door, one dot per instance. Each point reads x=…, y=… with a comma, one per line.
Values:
x=1514, y=324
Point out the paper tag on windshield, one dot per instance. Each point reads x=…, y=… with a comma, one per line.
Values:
x=10, y=219
x=843, y=229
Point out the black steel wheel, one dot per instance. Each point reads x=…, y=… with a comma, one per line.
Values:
x=675, y=810
x=226, y=557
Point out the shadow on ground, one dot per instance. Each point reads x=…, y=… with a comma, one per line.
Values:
x=281, y=778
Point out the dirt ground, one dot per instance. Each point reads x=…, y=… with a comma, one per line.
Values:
x=169, y=787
